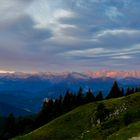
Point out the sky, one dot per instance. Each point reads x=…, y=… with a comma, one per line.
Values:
x=69, y=35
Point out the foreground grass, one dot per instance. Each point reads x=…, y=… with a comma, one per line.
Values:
x=78, y=124
x=132, y=130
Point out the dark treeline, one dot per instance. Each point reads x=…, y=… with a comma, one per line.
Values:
x=52, y=109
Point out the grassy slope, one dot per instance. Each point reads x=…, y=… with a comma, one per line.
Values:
x=78, y=123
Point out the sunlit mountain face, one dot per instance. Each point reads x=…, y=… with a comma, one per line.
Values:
x=107, y=73
x=92, y=74
x=6, y=72
x=69, y=35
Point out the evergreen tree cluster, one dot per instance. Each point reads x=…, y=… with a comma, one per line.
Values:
x=53, y=108
x=16, y=126
x=116, y=92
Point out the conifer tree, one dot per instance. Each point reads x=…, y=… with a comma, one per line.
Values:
x=130, y=91
x=136, y=89
x=114, y=92
x=80, y=97
x=99, y=96
x=89, y=96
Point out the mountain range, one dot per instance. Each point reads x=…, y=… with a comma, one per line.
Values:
x=26, y=92
x=93, y=74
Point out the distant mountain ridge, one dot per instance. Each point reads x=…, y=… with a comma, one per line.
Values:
x=82, y=75
x=79, y=75
x=113, y=74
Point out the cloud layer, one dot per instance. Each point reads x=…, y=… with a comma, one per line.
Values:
x=69, y=35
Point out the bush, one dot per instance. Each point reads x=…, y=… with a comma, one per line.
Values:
x=131, y=116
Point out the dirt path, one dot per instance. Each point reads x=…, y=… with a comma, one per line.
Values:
x=135, y=138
